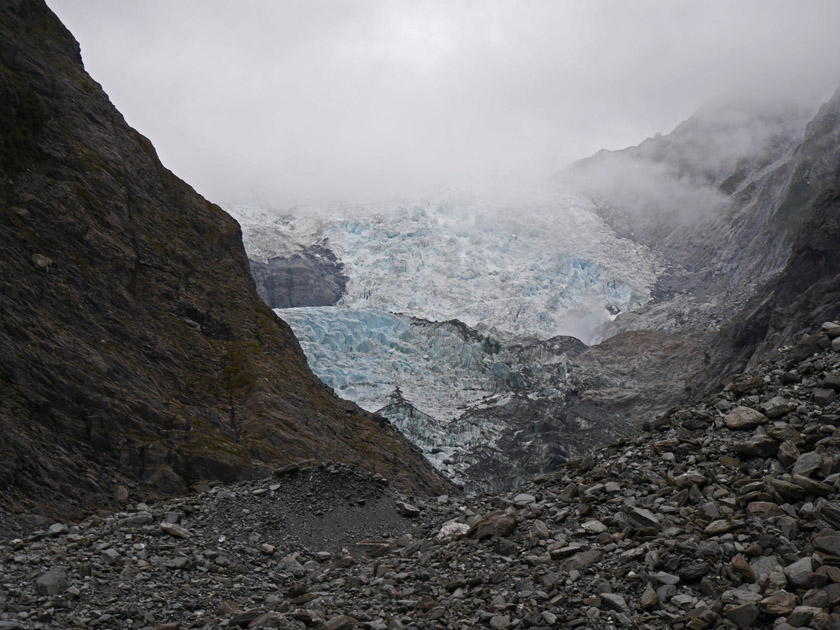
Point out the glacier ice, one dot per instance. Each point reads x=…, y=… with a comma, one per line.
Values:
x=363, y=354
x=544, y=267
x=451, y=319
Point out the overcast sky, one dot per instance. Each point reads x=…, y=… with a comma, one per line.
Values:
x=285, y=101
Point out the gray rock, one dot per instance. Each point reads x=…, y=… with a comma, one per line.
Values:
x=789, y=491
x=667, y=578
x=57, y=529
x=740, y=564
x=524, y=499
x=290, y=563
x=614, y=602
x=174, y=530
x=642, y=519
x=539, y=530
x=684, y=601
x=693, y=571
x=649, y=598
x=582, y=560
x=407, y=509
x=788, y=453
x=717, y=528
x=313, y=277
x=832, y=329
x=139, y=520
x=340, y=622
x=53, y=582
x=744, y=419
x=807, y=463
x=823, y=396
x=828, y=542
x=830, y=512
x=494, y=525
x=763, y=509
x=777, y=407
x=758, y=446
x=778, y=603
x=812, y=486
x=832, y=381
x=743, y=615
x=594, y=527
x=665, y=592
x=799, y=572
x=763, y=566
x=804, y=616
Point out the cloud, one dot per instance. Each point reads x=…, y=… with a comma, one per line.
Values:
x=683, y=178
x=300, y=100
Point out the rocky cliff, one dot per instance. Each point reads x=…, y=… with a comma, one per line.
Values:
x=312, y=277
x=723, y=197
x=135, y=352
x=807, y=291
x=742, y=203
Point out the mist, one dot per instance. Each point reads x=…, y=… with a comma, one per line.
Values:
x=301, y=102
x=688, y=176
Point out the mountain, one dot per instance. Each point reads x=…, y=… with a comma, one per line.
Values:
x=808, y=288
x=723, y=198
x=670, y=259
x=135, y=353
x=750, y=256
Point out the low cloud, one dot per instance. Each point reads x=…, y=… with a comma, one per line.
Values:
x=686, y=176
x=280, y=102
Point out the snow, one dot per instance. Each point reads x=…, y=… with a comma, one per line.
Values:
x=543, y=267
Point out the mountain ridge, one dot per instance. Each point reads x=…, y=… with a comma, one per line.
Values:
x=135, y=355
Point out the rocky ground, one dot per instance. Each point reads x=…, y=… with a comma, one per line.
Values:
x=723, y=514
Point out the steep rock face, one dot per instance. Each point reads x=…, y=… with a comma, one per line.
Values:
x=723, y=198
x=760, y=263
x=805, y=293
x=313, y=277
x=133, y=346
x=637, y=375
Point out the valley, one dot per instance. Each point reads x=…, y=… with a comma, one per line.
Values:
x=478, y=311
x=608, y=401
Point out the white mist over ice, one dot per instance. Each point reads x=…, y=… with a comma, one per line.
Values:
x=542, y=266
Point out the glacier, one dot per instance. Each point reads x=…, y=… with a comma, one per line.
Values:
x=481, y=411
x=543, y=267
x=363, y=354
x=458, y=319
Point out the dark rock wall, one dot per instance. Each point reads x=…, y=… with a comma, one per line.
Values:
x=756, y=273
x=133, y=346
x=312, y=278
x=806, y=293
x=746, y=208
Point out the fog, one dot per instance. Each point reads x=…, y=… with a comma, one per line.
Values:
x=295, y=101
x=688, y=175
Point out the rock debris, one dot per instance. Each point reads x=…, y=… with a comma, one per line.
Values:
x=722, y=514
